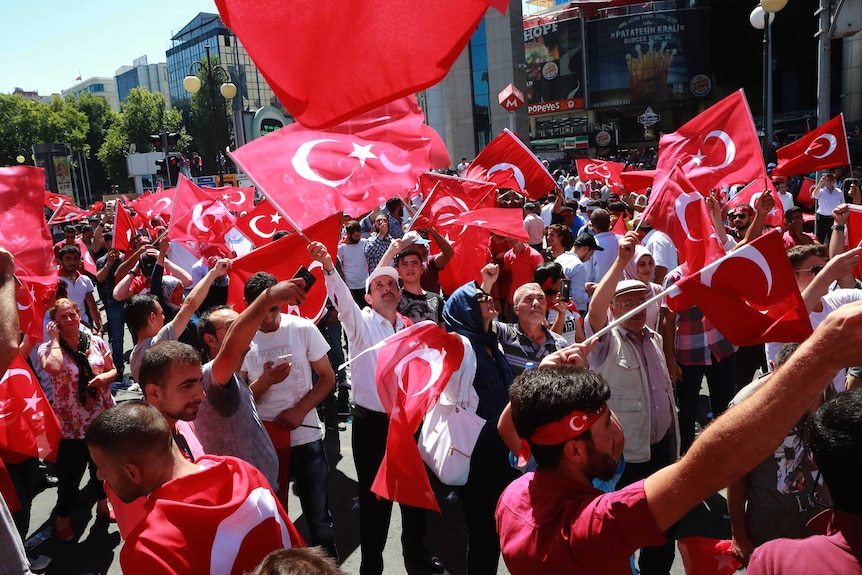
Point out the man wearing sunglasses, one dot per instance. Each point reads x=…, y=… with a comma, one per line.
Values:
x=739, y=219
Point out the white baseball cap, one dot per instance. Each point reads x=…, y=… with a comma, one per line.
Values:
x=381, y=271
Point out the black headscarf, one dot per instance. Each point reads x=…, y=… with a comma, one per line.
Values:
x=85, y=372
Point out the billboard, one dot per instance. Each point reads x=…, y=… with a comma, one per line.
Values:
x=653, y=58
x=554, y=56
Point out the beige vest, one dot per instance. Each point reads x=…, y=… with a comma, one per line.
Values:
x=630, y=398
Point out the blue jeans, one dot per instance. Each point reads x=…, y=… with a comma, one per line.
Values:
x=117, y=323
x=310, y=470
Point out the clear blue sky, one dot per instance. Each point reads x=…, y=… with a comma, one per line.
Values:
x=46, y=44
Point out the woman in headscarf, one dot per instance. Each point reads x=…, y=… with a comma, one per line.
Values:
x=470, y=312
x=81, y=369
x=641, y=268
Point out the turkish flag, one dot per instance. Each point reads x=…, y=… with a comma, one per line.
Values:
x=335, y=60
x=718, y=147
x=222, y=519
x=749, y=295
x=620, y=227
x=804, y=196
x=22, y=224
x=31, y=310
x=148, y=206
x=471, y=254
x=707, y=556
x=507, y=151
x=448, y=196
x=53, y=201
x=235, y=199
x=353, y=167
x=197, y=217
x=749, y=195
x=260, y=224
x=507, y=222
x=824, y=147
x=607, y=172
x=854, y=232
x=637, y=181
x=27, y=423
x=282, y=258
x=124, y=229
x=86, y=256
x=413, y=367
x=678, y=210
x=69, y=212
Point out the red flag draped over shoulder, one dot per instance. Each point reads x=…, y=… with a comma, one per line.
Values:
x=260, y=224
x=678, y=210
x=524, y=172
x=23, y=230
x=352, y=167
x=282, y=258
x=413, y=368
x=825, y=147
x=717, y=148
x=750, y=295
x=27, y=423
x=197, y=217
x=334, y=60
x=607, y=172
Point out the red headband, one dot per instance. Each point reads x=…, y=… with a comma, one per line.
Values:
x=560, y=431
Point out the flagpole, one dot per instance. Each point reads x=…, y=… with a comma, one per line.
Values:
x=51, y=219
x=116, y=213
x=422, y=207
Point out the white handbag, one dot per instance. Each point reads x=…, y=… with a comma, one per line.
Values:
x=449, y=435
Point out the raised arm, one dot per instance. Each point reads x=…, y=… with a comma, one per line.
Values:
x=446, y=249
x=196, y=297
x=598, y=310
x=490, y=273
x=743, y=436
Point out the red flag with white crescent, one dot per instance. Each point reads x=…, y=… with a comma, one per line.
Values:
x=69, y=212
x=707, y=556
x=28, y=425
x=86, y=256
x=352, y=167
x=124, y=229
x=507, y=222
x=804, y=198
x=749, y=195
x=53, y=201
x=717, y=148
x=235, y=199
x=31, y=310
x=766, y=307
x=447, y=197
x=197, y=217
x=606, y=172
x=148, y=206
x=261, y=223
x=413, y=367
x=282, y=258
x=824, y=147
x=508, y=152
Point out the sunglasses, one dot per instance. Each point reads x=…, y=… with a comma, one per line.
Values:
x=813, y=270
x=483, y=297
x=738, y=216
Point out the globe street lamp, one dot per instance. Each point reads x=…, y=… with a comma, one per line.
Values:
x=213, y=73
x=761, y=18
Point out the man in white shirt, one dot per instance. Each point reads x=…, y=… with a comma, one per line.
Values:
x=354, y=265
x=829, y=196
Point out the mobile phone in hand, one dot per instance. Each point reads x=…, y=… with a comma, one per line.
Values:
x=565, y=289
x=303, y=274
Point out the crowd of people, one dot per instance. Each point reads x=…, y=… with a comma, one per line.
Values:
x=235, y=404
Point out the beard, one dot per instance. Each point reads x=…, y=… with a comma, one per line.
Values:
x=601, y=465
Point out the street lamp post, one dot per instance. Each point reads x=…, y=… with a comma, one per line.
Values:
x=761, y=18
x=213, y=73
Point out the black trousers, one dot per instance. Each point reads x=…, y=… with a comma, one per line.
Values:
x=370, y=429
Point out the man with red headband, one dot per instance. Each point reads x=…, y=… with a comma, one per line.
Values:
x=554, y=521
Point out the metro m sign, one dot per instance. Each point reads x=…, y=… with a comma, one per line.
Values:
x=511, y=98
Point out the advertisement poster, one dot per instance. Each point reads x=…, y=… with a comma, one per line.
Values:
x=64, y=175
x=649, y=59
x=555, y=64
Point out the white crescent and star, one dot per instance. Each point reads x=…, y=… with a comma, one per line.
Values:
x=594, y=169
x=197, y=219
x=32, y=402
x=433, y=357
x=241, y=198
x=519, y=175
x=729, y=150
x=580, y=427
x=362, y=153
x=300, y=164
x=3, y=404
x=746, y=252
x=253, y=225
x=833, y=143
x=681, y=204
x=392, y=167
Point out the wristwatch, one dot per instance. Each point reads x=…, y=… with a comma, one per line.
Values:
x=838, y=227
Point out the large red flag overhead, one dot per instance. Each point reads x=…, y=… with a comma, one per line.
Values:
x=750, y=295
x=607, y=172
x=678, y=210
x=260, y=224
x=282, y=259
x=749, y=195
x=331, y=61
x=22, y=224
x=471, y=254
x=507, y=222
x=447, y=197
x=235, y=199
x=508, y=152
x=353, y=167
x=413, y=367
x=824, y=147
x=197, y=217
x=27, y=422
x=717, y=148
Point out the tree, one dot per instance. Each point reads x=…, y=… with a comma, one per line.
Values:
x=203, y=102
x=100, y=117
x=24, y=123
x=143, y=114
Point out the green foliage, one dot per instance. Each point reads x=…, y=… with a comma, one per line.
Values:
x=24, y=123
x=100, y=117
x=202, y=120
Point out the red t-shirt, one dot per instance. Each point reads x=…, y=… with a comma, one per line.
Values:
x=521, y=267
